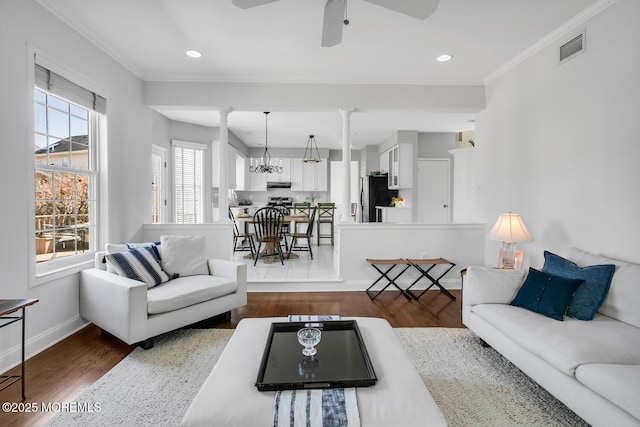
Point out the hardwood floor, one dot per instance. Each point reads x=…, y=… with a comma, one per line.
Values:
x=60, y=373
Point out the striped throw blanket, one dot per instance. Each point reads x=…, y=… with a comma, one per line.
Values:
x=334, y=407
x=312, y=318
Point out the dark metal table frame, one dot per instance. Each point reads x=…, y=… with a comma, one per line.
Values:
x=8, y=307
x=385, y=275
x=408, y=262
x=417, y=263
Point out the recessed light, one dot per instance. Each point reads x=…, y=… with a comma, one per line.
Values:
x=444, y=58
x=194, y=54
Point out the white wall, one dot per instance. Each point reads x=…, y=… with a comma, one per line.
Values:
x=462, y=244
x=25, y=27
x=558, y=143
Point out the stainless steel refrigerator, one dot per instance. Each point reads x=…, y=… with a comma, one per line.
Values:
x=374, y=191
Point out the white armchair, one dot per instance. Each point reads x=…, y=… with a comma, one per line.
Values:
x=127, y=309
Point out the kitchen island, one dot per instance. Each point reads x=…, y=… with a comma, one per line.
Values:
x=393, y=214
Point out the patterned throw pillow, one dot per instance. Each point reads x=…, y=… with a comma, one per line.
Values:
x=140, y=264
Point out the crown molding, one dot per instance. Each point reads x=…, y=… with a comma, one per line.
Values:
x=554, y=36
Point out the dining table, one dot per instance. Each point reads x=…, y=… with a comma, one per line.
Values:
x=269, y=252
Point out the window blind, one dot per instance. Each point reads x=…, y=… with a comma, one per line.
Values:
x=46, y=79
x=188, y=182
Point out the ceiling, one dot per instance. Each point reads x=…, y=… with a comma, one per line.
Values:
x=280, y=42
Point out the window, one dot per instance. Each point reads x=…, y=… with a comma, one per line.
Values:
x=66, y=122
x=188, y=179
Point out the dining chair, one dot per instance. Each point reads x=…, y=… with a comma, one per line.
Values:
x=308, y=234
x=285, y=225
x=326, y=215
x=238, y=236
x=267, y=223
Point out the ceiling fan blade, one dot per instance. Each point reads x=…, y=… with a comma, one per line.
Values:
x=333, y=23
x=420, y=9
x=246, y=4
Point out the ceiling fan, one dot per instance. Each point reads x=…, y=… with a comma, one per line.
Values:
x=334, y=13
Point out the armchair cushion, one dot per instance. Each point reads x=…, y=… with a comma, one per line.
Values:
x=183, y=255
x=186, y=291
x=140, y=264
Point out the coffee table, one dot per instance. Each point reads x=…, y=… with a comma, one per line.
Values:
x=229, y=397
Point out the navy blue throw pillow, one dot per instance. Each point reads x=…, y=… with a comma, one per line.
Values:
x=546, y=294
x=590, y=296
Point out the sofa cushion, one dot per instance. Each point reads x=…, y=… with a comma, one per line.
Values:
x=619, y=384
x=140, y=264
x=592, y=293
x=546, y=294
x=185, y=291
x=623, y=299
x=183, y=255
x=565, y=345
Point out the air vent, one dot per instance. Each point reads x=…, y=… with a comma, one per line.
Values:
x=572, y=47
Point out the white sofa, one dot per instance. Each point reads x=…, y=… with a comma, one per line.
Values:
x=132, y=312
x=593, y=367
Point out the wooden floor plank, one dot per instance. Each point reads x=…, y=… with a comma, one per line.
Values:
x=61, y=373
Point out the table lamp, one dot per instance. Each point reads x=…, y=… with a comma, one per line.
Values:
x=509, y=229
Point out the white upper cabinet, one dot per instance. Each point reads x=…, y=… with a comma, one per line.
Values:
x=398, y=163
x=309, y=176
x=296, y=175
x=285, y=164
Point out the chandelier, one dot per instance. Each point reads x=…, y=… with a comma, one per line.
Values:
x=311, y=153
x=265, y=166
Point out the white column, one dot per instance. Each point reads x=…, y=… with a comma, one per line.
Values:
x=223, y=198
x=346, y=165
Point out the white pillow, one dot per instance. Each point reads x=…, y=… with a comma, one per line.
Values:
x=112, y=248
x=183, y=255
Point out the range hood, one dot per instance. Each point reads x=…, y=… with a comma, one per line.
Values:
x=278, y=184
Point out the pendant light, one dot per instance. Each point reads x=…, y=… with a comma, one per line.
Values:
x=265, y=166
x=311, y=153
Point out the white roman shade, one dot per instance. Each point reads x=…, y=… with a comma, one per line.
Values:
x=46, y=79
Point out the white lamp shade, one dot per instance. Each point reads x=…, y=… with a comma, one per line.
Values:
x=510, y=228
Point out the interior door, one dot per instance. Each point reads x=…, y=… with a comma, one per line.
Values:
x=434, y=191
x=158, y=184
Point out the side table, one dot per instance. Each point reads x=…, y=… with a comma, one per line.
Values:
x=8, y=306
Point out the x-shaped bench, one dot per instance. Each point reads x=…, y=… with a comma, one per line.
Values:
x=385, y=275
x=417, y=263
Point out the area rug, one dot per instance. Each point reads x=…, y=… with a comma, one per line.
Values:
x=472, y=385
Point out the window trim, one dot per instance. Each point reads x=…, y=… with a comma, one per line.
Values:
x=41, y=273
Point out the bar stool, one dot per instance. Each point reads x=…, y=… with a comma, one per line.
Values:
x=326, y=216
x=300, y=208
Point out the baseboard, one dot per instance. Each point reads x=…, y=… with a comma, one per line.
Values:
x=333, y=285
x=37, y=344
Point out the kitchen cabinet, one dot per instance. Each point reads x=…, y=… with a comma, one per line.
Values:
x=256, y=181
x=398, y=161
x=285, y=176
x=309, y=176
x=236, y=170
x=314, y=176
x=296, y=175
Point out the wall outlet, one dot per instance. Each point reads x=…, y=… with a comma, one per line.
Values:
x=423, y=255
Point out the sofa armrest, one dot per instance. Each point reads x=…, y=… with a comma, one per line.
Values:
x=484, y=285
x=114, y=303
x=231, y=270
